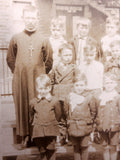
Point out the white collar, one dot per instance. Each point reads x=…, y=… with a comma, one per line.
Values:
x=48, y=97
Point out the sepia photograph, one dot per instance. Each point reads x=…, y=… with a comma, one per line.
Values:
x=60, y=80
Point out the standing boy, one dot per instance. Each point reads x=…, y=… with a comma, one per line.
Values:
x=26, y=50
x=80, y=109
x=81, y=39
x=93, y=69
x=56, y=38
x=45, y=114
x=112, y=28
x=108, y=117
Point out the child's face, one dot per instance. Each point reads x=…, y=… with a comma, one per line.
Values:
x=66, y=56
x=90, y=55
x=79, y=87
x=110, y=85
x=111, y=29
x=30, y=20
x=115, y=50
x=56, y=31
x=83, y=29
x=43, y=90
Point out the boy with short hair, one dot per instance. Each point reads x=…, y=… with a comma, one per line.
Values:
x=92, y=69
x=108, y=117
x=45, y=114
x=113, y=64
x=82, y=39
x=62, y=78
x=112, y=28
x=80, y=109
x=56, y=38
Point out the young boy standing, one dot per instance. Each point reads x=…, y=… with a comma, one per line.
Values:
x=80, y=111
x=92, y=69
x=62, y=78
x=112, y=28
x=45, y=114
x=82, y=39
x=113, y=64
x=108, y=117
x=56, y=38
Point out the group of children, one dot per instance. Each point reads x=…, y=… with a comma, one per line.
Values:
x=80, y=94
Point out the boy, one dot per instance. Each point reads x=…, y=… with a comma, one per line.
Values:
x=56, y=38
x=26, y=50
x=113, y=65
x=80, y=111
x=62, y=77
x=108, y=117
x=112, y=28
x=81, y=39
x=92, y=69
x=45, y=114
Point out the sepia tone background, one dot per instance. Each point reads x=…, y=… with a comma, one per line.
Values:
x=11, y=23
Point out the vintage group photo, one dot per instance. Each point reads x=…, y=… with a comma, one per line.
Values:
x=60, y=80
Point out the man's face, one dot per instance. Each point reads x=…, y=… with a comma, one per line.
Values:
x=83, y=29
x=79, y=87
x=30, y=20
x=66, y=56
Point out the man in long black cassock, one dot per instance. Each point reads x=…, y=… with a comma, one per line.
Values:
x=28, y=55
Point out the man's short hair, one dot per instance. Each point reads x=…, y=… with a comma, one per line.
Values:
x=31, y=9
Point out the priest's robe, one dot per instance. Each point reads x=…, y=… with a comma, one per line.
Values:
x=28, y=55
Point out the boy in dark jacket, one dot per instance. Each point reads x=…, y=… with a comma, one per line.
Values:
x=80, y=109
x=45, y=111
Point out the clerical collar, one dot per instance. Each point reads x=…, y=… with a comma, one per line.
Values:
x=29, y=33
x=48, y=97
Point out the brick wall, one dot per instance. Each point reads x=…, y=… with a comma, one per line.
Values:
x=45, y=9
x=4, y=20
